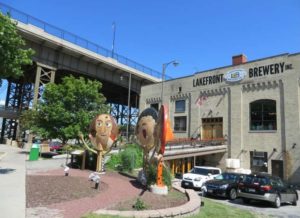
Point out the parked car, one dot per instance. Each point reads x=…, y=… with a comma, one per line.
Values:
x=265, y=187
x=224, y=185
x=55, y=146
x=198, y=176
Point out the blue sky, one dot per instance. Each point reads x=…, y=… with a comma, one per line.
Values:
x=201, y=35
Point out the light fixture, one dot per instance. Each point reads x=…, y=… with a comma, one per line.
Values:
x=294, y=146
x=274, y=149
x=66, y=170
x=94, y=177
x=164, y=67
x=244, y=151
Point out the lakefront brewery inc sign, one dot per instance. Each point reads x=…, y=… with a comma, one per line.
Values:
x=239, y=74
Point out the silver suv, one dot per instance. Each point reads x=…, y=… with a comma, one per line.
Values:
x=198, y=176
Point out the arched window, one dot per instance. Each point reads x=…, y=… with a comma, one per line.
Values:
x=263, y=115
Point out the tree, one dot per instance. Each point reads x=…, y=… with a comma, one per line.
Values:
x=12, y=54
x=66, y=109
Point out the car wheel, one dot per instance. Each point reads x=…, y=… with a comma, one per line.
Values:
x=232, y=194
x=295, y=201
x=277, y=201
x=246, y=200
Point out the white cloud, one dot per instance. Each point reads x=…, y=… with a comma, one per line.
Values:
x=2, y=102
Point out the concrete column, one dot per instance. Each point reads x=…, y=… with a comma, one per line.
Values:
x=52, y=76
x=182, y=165
x=173, y=167
x=189, y=164
x=37, y=85
x=176, y=166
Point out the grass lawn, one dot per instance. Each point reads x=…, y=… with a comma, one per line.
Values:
x=210, y=209
x=214, y=209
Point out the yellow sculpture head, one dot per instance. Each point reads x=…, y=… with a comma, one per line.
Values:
x=103, y=131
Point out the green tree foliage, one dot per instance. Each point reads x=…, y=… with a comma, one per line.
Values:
x=66, y=109
x=12, y=54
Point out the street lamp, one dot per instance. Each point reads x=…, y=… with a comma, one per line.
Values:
x=129, y=109
x=128, y=103
x=164, y=67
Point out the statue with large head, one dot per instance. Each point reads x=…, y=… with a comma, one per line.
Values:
x=145, y=128
x=103, y=133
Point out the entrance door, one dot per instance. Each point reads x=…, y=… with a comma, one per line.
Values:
x=212, y=128
x=258, y=161
x=277, y=168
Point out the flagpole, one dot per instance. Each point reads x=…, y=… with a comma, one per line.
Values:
x=113, y=42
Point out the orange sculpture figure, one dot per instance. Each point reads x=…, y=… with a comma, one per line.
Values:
x=163, y=133
x=103, y=133
x=152, y=131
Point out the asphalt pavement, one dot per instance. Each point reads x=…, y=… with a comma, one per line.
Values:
x=12, y=182
x=14, y=166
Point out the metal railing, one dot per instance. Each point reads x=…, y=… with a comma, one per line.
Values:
x=185, y=143
x=77, y=40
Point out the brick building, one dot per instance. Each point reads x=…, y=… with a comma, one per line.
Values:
x=253, y=105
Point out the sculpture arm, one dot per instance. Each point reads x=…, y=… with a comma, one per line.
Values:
x=85, y=144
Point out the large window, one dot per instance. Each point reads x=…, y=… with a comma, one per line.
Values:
x=180, y=106
x=180, y=124
x=155, y=106
x=263, y=115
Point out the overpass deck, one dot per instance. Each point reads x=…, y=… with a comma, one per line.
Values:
x=45, y=28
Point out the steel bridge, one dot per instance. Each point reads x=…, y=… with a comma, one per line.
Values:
x=59, y=53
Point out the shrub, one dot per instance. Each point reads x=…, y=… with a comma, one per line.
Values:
x=114, y=161
x=130, y=158
x=139, y=204
x=152, y=173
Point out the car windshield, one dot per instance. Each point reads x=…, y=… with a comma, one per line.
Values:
x=228, y=176
x=203, y=171
x=252, y=179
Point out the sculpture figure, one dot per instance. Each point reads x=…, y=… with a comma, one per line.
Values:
x=151, y=132
x=103, y=133
x=145, y=135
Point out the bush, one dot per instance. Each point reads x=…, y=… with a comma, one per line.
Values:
x=114, y=161
x=139, y=204
x=152, y=173
x=130, y=158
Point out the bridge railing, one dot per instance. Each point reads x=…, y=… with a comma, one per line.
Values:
x=70, y=37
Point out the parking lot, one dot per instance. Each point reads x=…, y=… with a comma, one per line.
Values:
x=285, y=211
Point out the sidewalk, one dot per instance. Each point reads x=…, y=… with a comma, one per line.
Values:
x=12, y=182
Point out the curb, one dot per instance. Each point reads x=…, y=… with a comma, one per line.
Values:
x=190, y=208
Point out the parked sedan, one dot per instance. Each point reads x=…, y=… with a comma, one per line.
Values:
x=265, y=187
x=224, y=185
x=55, y=146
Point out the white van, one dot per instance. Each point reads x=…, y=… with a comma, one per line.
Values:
x=198, y=176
